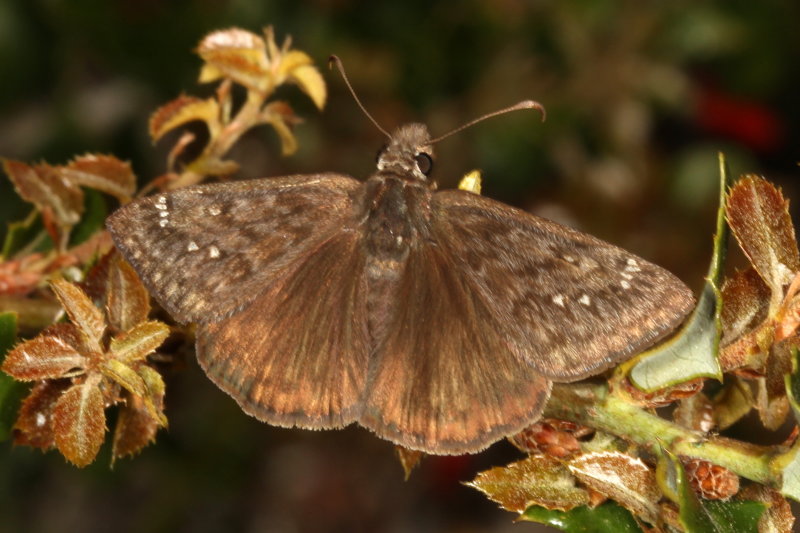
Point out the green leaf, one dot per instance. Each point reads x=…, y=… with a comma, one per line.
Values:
x=606, y=518
x=692, y=353
x=93, y=218
x=735, y=516
x=11, y=391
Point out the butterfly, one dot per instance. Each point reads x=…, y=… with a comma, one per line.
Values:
x=438, y=319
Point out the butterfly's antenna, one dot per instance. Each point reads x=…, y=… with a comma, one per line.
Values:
x=334, y=60
x=525, y=104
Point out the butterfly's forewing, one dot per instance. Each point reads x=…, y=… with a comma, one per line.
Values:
x=571, y=304
x=444, y=380
x=205, y=252
x=297, y=356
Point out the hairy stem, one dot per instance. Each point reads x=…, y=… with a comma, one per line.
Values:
x=591, y=405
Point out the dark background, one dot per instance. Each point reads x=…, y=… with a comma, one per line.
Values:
x=640, y=97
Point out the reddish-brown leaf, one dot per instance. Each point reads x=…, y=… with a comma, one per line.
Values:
x=81, y=311
x=34, y=425
x=127, y=299
x=745, y=302
x=43, y=186
x=536, y=480
x=102, y=172
x=96, y=281
x=20, y=277
x=182, y=110
x=625, y=479
x=665, y=396
x=43, y=357
x=79, y=422
x=135, y=429
x=759, y=218
x=749, y=351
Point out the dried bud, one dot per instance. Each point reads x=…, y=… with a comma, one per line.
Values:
x=711, y=481
x=553, y=437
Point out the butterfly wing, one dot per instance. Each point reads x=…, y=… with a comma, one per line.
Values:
x=297, y=355
x=443, y=380
x=572, y=305
x=205, y=252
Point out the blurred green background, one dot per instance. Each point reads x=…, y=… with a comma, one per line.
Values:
x=640, y=97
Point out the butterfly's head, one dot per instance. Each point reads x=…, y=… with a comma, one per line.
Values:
x=409, y=152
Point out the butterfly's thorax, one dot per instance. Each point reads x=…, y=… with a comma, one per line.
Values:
x=395, y=218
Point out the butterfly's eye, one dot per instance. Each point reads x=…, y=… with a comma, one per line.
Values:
x=424, y=163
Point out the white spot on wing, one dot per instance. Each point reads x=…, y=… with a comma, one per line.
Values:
x=163, y=222
x=40, y=420
x=558, y=299
x=213, y=252
x=632, y=266
x=625, y=284
x=192, y=246
x=214, y=210
x=585, y=300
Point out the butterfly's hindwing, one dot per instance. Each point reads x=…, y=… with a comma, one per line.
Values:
x=297, y=356
x=443, y=380
x=206, y=251
x=573, y=305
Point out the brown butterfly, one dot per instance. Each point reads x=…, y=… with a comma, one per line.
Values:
x=436, y=319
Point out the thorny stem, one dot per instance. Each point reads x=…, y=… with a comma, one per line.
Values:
x=592, y=405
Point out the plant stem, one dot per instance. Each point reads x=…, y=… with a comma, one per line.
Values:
x=591, y=405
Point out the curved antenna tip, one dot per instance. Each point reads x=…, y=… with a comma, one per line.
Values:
x=525, y=104
x=531, y=104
